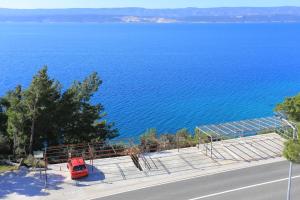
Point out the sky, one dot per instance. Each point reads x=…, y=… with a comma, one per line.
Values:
x=143, y=3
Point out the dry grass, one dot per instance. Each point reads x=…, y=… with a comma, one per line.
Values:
x=4, y=168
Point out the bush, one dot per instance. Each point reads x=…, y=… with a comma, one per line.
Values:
x=292, y=151
x=183, y=133
x=149, y=141
x=168, y=141
x=185, y=139
x=30, y=161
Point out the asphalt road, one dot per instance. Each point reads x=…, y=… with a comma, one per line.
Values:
x=265, y=182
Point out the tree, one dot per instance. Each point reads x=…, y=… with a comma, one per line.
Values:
x=79, y=119
x=292, y=151
x=16, y=120
x=40, y=100
x=4, y=142
x=43, y=113
x=291, y=106
x=3, y=116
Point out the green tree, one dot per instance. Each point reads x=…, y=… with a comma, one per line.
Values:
x=4, y=142
x=3, y=115
x=42, y=112
x=292, y=151
x=291, y=106
x=40, y=100
x=79, y=119
x=16, y=120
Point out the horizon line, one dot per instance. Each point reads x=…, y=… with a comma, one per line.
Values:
x=150, y=8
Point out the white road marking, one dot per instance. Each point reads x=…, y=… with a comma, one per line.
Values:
x=243, y=188
x=267, y=162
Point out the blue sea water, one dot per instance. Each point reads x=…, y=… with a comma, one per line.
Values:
x=166, y=76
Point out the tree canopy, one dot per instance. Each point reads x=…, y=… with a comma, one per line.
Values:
x=291, y=151
x=44, y=112
x=291, y=106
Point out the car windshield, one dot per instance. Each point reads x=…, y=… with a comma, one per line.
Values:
x=79, y=168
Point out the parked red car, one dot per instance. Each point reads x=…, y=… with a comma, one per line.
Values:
x=77, y=168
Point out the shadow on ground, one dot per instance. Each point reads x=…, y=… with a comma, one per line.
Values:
x=95, y=175
x=28, y=184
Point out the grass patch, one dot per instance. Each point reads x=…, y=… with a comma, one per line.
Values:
x=5, y=168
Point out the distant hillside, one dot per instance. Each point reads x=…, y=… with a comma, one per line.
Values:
x=142, y=15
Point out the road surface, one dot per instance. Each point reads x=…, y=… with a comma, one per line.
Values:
x=265, y=182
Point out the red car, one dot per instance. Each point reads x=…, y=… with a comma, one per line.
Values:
x=77, y=168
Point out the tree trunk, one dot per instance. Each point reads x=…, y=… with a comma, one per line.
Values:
x=15, y=143
x=31, y=135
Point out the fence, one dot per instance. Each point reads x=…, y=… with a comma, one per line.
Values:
x=206, y=135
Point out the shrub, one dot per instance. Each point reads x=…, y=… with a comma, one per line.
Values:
x=292, y=151
x=30, y=161
x=168, y=141
x=149, y=141
x=183, y=133
x=185, y=139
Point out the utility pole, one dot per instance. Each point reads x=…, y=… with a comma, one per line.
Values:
x=295, y=133
x=295, y=136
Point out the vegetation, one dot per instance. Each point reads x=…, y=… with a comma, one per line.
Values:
x=291, y=106
x=152, y=141
x=4, y=142
x=292, y=151
x=4, y=168
x=30, y=161
x=149, y=139
x=186, y=139
x=44, y=112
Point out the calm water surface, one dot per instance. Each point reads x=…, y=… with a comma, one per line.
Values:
x=163, y=76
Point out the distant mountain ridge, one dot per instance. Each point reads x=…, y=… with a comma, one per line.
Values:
x=143, y=15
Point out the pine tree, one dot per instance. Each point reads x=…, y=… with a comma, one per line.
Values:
x=291, y=106
x=4, y=141
x=43, y=113
x=17, y=121
x=80, y=120
x=40, y=100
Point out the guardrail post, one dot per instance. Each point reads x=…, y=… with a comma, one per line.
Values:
x=177, y=140
x=46, y=166
x=211, y=147
x=91, y=157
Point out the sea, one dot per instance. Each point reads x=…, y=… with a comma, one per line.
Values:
x=163, y=76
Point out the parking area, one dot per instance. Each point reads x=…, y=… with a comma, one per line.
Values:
x=246, y=149
x=109, y=176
